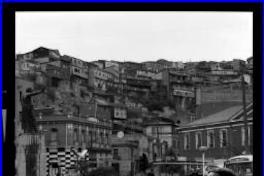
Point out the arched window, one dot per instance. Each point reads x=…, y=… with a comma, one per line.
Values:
x=223, y=137
x=210, y=139
x=75, y=136
x=107, y=138
x=198, y=140
x=187, y=141
x=54, y=136
x=90, y=137
x=83, y=137
x=101, y=138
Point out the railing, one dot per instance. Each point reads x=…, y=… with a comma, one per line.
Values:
x=183, y=93
x=127, y=139
x=28, y=139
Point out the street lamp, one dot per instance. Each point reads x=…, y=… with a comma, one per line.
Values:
x=120, y=135
x=203, y=150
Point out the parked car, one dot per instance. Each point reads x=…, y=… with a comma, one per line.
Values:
x=208, y=168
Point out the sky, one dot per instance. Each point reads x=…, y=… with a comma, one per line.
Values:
x=138, y=36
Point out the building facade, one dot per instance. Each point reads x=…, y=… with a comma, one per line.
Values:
x=162, y=131
x=65, y=134
x=222, y=133
x=129, y=142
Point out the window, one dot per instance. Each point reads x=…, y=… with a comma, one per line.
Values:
x=76, y=110
x=198, y=140
x=210, y=139
x=163, y=148
x=95, y=137
x=243, y=136
x=75, y=137
x=76, y=70
x=155, y=150
x=101, y=138
x=83, y=137
x=54, y=82
x=249, y=134
x=54, y=135
x=90, y=138
x=115, y=153
x=156, y=131
x=107, y=139
x=223, y=138
x=186, y=141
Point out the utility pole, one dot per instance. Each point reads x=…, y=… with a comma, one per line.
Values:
x=244, y=112
x=95, y=110
x=196, y=103
x=132, y=160
x=159, y=148
x=159, y=143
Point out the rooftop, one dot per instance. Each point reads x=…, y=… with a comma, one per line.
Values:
x=218, y=117
x=228, y=114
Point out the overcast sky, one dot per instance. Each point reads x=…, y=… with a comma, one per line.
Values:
x=138, y=36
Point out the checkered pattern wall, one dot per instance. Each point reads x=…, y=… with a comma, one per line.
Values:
x=62, y=158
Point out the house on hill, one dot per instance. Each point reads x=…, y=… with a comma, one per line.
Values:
x=40, y=54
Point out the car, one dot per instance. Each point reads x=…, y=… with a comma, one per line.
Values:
x=208, y=168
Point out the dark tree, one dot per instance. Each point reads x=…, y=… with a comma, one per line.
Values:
x=143, y=163
x=83, y=167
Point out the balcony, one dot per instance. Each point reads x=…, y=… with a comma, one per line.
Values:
x=28, y=139
x=131, y=140
x=183, y=93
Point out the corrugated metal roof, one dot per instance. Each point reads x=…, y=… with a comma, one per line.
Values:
x=221, y=116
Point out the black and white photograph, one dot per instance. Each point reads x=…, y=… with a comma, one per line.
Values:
x=134, y=93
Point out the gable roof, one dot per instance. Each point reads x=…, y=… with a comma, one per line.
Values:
x=218, y=117
x=234, y=113
x=46, y=50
